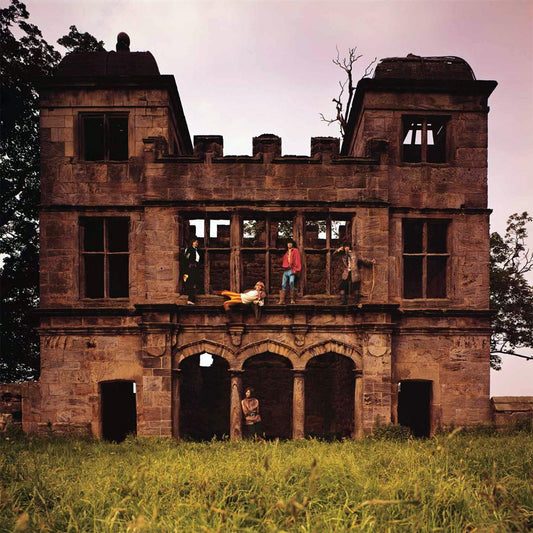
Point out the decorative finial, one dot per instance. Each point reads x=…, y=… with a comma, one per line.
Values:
x=123, y=42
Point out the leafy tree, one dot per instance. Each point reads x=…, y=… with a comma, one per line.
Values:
x=511, y=296
x=25, y=58
x=75, y=41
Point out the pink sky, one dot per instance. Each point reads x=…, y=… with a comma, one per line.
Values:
x=249, y=67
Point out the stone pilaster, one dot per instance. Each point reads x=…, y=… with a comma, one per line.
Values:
x=298, y=405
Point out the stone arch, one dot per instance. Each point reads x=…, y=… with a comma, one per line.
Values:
x=271, y=376
x=203, y=406
x=270, y=346
x=333, y=346
x=329, y=396
x=194, y=348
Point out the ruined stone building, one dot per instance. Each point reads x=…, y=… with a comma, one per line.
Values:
x=124, y=189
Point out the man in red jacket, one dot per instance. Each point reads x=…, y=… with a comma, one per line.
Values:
x=293, y=264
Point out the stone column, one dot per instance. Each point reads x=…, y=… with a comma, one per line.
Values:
x=235, y=416
x=176, y=403
x=358, y=431
x=298, y=404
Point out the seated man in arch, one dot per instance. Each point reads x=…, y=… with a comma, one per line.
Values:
x=254, y=296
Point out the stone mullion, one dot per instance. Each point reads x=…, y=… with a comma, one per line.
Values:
x=267, y=254
x=298, y=404
x=207, y=262
x=235, y=405
x=298, y=236
x=235, y=274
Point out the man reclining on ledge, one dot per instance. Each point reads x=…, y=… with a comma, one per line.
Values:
x=254, y=296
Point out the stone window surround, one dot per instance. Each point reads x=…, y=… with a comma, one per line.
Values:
x=274, y=247
x=425, y=255
x=107, y=254
x=424, y=119
x=106, y=144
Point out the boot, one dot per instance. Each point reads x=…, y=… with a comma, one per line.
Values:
x=343, y=297
x=292, y=292
x=281, y=297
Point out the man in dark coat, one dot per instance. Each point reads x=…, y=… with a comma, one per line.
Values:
x=191, y=267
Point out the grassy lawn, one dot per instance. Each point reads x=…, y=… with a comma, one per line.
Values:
x=450, y=483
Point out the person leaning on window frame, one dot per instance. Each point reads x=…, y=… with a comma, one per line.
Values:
x=192, y=260
x=351, y=275
x=292, y=264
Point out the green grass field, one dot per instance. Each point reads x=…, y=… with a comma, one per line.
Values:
x=449, y=483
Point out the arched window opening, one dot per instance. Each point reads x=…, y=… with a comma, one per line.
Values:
x=329, y=396
x=204, y=397
x=271, y=377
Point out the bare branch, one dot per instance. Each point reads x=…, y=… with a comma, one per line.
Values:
x=342, y=109
x=528, y=357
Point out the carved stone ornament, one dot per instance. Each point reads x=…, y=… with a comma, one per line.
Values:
x=299, y=332
x=155, y=344
x=236, y=333
x=377, y=346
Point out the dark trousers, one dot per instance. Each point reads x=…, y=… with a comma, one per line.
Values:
x=253, y=430
x=348, y=286
x=191, y=285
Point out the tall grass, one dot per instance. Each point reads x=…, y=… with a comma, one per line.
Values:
x=453, y=484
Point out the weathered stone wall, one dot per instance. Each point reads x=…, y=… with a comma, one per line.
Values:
x=511, y=411
x=452, y=353
x=146, y=337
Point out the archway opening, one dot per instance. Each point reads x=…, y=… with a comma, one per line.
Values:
x=119, y=412
x=271, y=377
x=414, y=406
x=204, y=397
x=329, y=396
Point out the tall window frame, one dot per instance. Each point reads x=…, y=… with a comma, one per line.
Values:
x=214, y=243
x=104, y=136
x=104, y=247
x=267, y=245
x=323, y=235
x=426, y=258
x=425, y=138
x=254, y=245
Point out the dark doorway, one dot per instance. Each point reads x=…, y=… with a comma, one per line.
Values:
x=271, y=377
x=414, y=406
x=329, y=396
x=119, y=412
x=204, y=397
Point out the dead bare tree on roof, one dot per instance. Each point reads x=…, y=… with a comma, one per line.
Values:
x=343, y=108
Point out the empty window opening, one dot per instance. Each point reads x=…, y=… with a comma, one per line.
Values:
x=424, y=139
x=204, y=398
x=253, y=233
x=271, y=377
x=119, y=412
x=425, y=258
x=329, y=396
x=104, y=136
x=219, y=233
x=105, y=257
x=414, y=406
x=206, y=360
x=257, y=244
